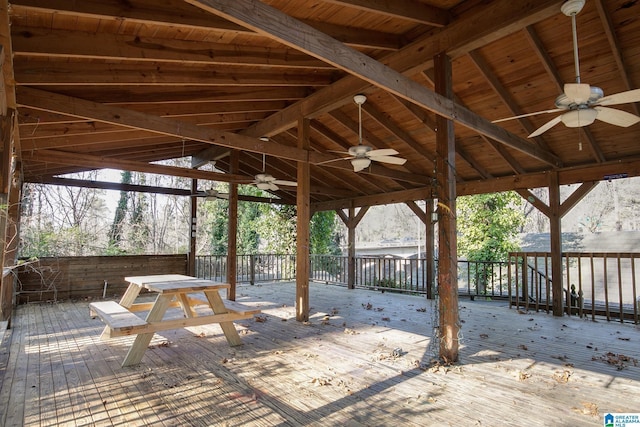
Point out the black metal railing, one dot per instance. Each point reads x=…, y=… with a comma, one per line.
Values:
x=406, y=275
x=595, y=283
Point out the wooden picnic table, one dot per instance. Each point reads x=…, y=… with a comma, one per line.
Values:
x=174, y=290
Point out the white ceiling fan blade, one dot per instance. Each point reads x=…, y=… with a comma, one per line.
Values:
x=555, y=110
x=390, y=159
x=545, y=127
x=333, y=160
x=616, y=117
x=621, y=98
x=578, y=92
x=382, y=152
x=285, y=183
x=273, y=187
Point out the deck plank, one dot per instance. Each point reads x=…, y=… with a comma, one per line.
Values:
x=516, y=367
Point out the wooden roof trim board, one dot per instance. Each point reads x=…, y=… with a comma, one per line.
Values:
x=459, y=41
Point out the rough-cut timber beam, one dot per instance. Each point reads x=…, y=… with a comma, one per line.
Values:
x=49, y=101
x=101, y=162
x=68, y=182
x=31, y=42
x=291, y=32
x=374, y=200
x=45, y=73
x=571, y=175
x=175, y=12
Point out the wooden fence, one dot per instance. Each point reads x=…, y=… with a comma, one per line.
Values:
x=62, y=278
x=595, y=283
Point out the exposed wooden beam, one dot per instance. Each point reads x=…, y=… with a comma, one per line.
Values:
x=468, y=32
x=99, y=162
x=490, y=77
x=175, y=12
x=291, y=32
x=34, y=42
x=535, y=201
x=615, y=49
x=374, y=200
x=49, y=101
x=403, y=9
x=117, y=186
x=577, y=195
x=46, y=73
x=398, y=132
x=570, y=175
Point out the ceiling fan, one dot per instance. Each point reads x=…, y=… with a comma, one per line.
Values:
x=361, y=155
x=582, y=103
x=211, y=194
x=265, y=181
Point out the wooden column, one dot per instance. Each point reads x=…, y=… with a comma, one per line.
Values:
x=303, y=199
x=191, y=259
x=232, y=234
x=8, y=217
x=430, y=249
x=555, y=228
x=351, y=250
x=446, y=193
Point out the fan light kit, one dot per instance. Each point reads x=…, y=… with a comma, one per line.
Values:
x=582, y=103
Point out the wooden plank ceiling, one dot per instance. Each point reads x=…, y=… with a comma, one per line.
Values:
x=106, y=83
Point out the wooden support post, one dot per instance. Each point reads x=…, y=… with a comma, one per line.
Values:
x=351, y=250
x=191, y=259
x=446, y=193
x=303, y=199
x=555, y=228
x=232, y=236
x=429, y=249
x=9, y=194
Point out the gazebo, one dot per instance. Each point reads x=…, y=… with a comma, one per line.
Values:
x=267, y=90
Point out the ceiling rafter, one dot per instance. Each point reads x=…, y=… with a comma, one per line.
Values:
x=404, y=9
x=55, y=43
x=615, y=49
x=491, y=79
x=500, y=149
x=376, y=73
x=357, y=182
x=44, y=73
x=399, y=133
x=176, y=12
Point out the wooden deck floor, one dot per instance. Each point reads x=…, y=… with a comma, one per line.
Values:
x=516, y=368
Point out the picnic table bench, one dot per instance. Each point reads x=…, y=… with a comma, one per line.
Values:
x=173, y=290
